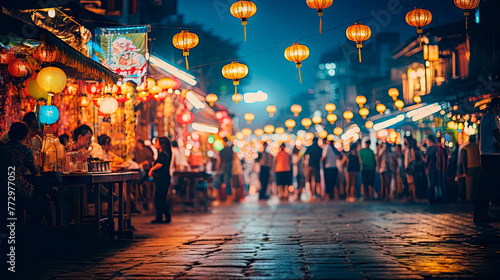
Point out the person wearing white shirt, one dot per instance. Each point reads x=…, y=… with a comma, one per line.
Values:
x=330, y=163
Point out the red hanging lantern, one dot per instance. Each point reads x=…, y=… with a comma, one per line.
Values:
x=45, y=55
x=319, y=5
x=220, y=115
x=186, y=117
x=297, y=53
x=185, y=41
x=244, y=10
x=71, y=89
x=419, y=18
x=93, y=89
x=358, y=33
x=6, y=56
x=159, y=96
x=122, y=97
x=19, y=67
x=97, y=101
x=144, y=96
x=177, y=83
x=467, y=5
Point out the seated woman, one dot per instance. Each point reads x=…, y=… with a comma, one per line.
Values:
x=19, y=158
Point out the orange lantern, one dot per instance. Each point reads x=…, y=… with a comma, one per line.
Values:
x=165, y=83
x=93, y=88
x=296, y=109
x=290, y=124
x=360, y=100
x=338, y=131
x=185, y=118
x=306, y=122
x=83, y=100
x=237, y=98
x=364, y=112
x=297, y=53
x=44, y=55
x=467, y=5
x=319, y=5
x=317, y=119
x=7, y=55
x=243, y=10
x=220, y=115
x=19, y=67
x=417, y=99
x=259, y=132
x=348, y=115
x=358, y=33
x=35, y=91
x=246, y=131
x=249, y=117
x=211, y=99
x=330, y=107
x=331, y=118
x=419, y=18
x=271, y=109
x=394, y=93
x=185, y=41
x=380, y=108
x=235, y=71
x=399, y=104
x=160, y=96
x=368, y=124
x=97, y=101
x=143, y=96
x=279, y=130
x=269, y=129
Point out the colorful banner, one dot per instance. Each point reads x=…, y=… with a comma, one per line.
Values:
x=123, y=50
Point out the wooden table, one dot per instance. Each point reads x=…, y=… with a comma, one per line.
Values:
x=87, y=181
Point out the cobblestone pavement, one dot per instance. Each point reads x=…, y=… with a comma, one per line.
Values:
x=269, y=240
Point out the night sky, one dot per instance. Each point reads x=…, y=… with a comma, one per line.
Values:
x=279, y=23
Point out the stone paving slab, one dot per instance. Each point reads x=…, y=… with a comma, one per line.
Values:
x=267, y=240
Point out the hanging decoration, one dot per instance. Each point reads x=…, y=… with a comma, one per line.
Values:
x=48, y=114
x=348, y=115
x=290, y=124
x=235, y=71
x=52, y=80
x=258, y=132
x=332, y=118
x=297, y=53
x=358, y=33
x=20, y=68
x=338, y=131
x=467, y=6
x=185, y=41
x=317, y=119
x=211, y=99
x=399, y=104
x=319, y=5
x=330, y=107
x=394, y=93
x=306, y=122
x=108, y=105
x=360, y=100
x=35, y=91
x=380, y=108
x=7, y=55
x=243, y=10
x=249, y=117
x=83, y=101
x=185, y=118
x=279, y=130
x=419, y=18
x=368, y=124
x=237, y=98
x=363, y=112
x=269, y=129
x=296, y=109
x=43, y=54
x=417, y=99
x=271, y=109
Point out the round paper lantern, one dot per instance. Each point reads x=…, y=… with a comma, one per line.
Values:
x=317, y=119
x=155, y=90
x=109, y=105
x=467, y=5
x=417, y=99
x=368, y=124
x=332, y=118
x=235, y=71
x=399, y=104
x=150, y=82
x=380, y=108
x=338, y=131
x=246, y=131
x=419, y=18
x=239, y=136
x=306, y=122
x=159, y=96
x=358, y=33
x=249, y=117
x=360, y=100
x=290, y=124
x=279, y=130
x=394, y=93
x=72, y=89
x=364, y=112
x=211, y=99
x=237, y=98
x=51, y=79
x=97, y=101
x=348, y=115
x=297, y=53
x=48, y=114
x=269, y=129
x=93, y=88
x=220, y=115
x=271, y=109
x=185, y=41
x=44, y=55
x=451, y=125
x=323, y=134
x=185, y=118
x=296, y=109
x=144, y=96
x=330, y=137
x=35, y=91
x=319, y=5
x=330, y=107
x=165, y=83
x=19, y=67
x=7, y=55
x=83, y=101
x=243, y=10
x=258, y=132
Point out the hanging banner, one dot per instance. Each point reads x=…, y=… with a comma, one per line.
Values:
x=123, y=50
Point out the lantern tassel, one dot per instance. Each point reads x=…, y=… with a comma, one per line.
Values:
x=320, y=24
x=359, y=50
x=300, y=76
x=236, y=95
x=245, y=27
x=187, y=63
x=466, y=22
x=420, y=40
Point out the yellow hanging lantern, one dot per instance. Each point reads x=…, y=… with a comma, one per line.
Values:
x=364, y=112
x=306, y=122
x=399, y=104
x=258, y=132
x=338, y=131
x=332, y=118
x=380, y=108
x=237, y=98
x=249, y=117
x=290, y=124
x=360, y=100
x=348, y=115
x=358, y=33
x=369, y=124
x=394, y=93
x=243, y=10
x=317, y=119
x=235, y=71
x=269, y=129
x=35, y=91
x=419, y=18
x=279, y=130
x=271, y=109
x=319, y=5
x=330, y=107
x=246, y=131
x=467, y=6
x=211, y=99
x=297, y=53
x=296, y=109
x=417, y=99
x=330, y=137
x=323, y=134
x=166, y=83
x=52, y=80
x=185, y=41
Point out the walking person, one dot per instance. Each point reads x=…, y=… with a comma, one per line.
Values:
x=368, y=163
x=412, y=161
x=266, y=161
x=282, y=170
x=384, y=163
x=299, y=171
x=225, y=169
x=330, y=169
x=489, y=134
x=471, y=162
x=313, y=154
x=431, y=157
x=161, y=174
x=353, y=168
